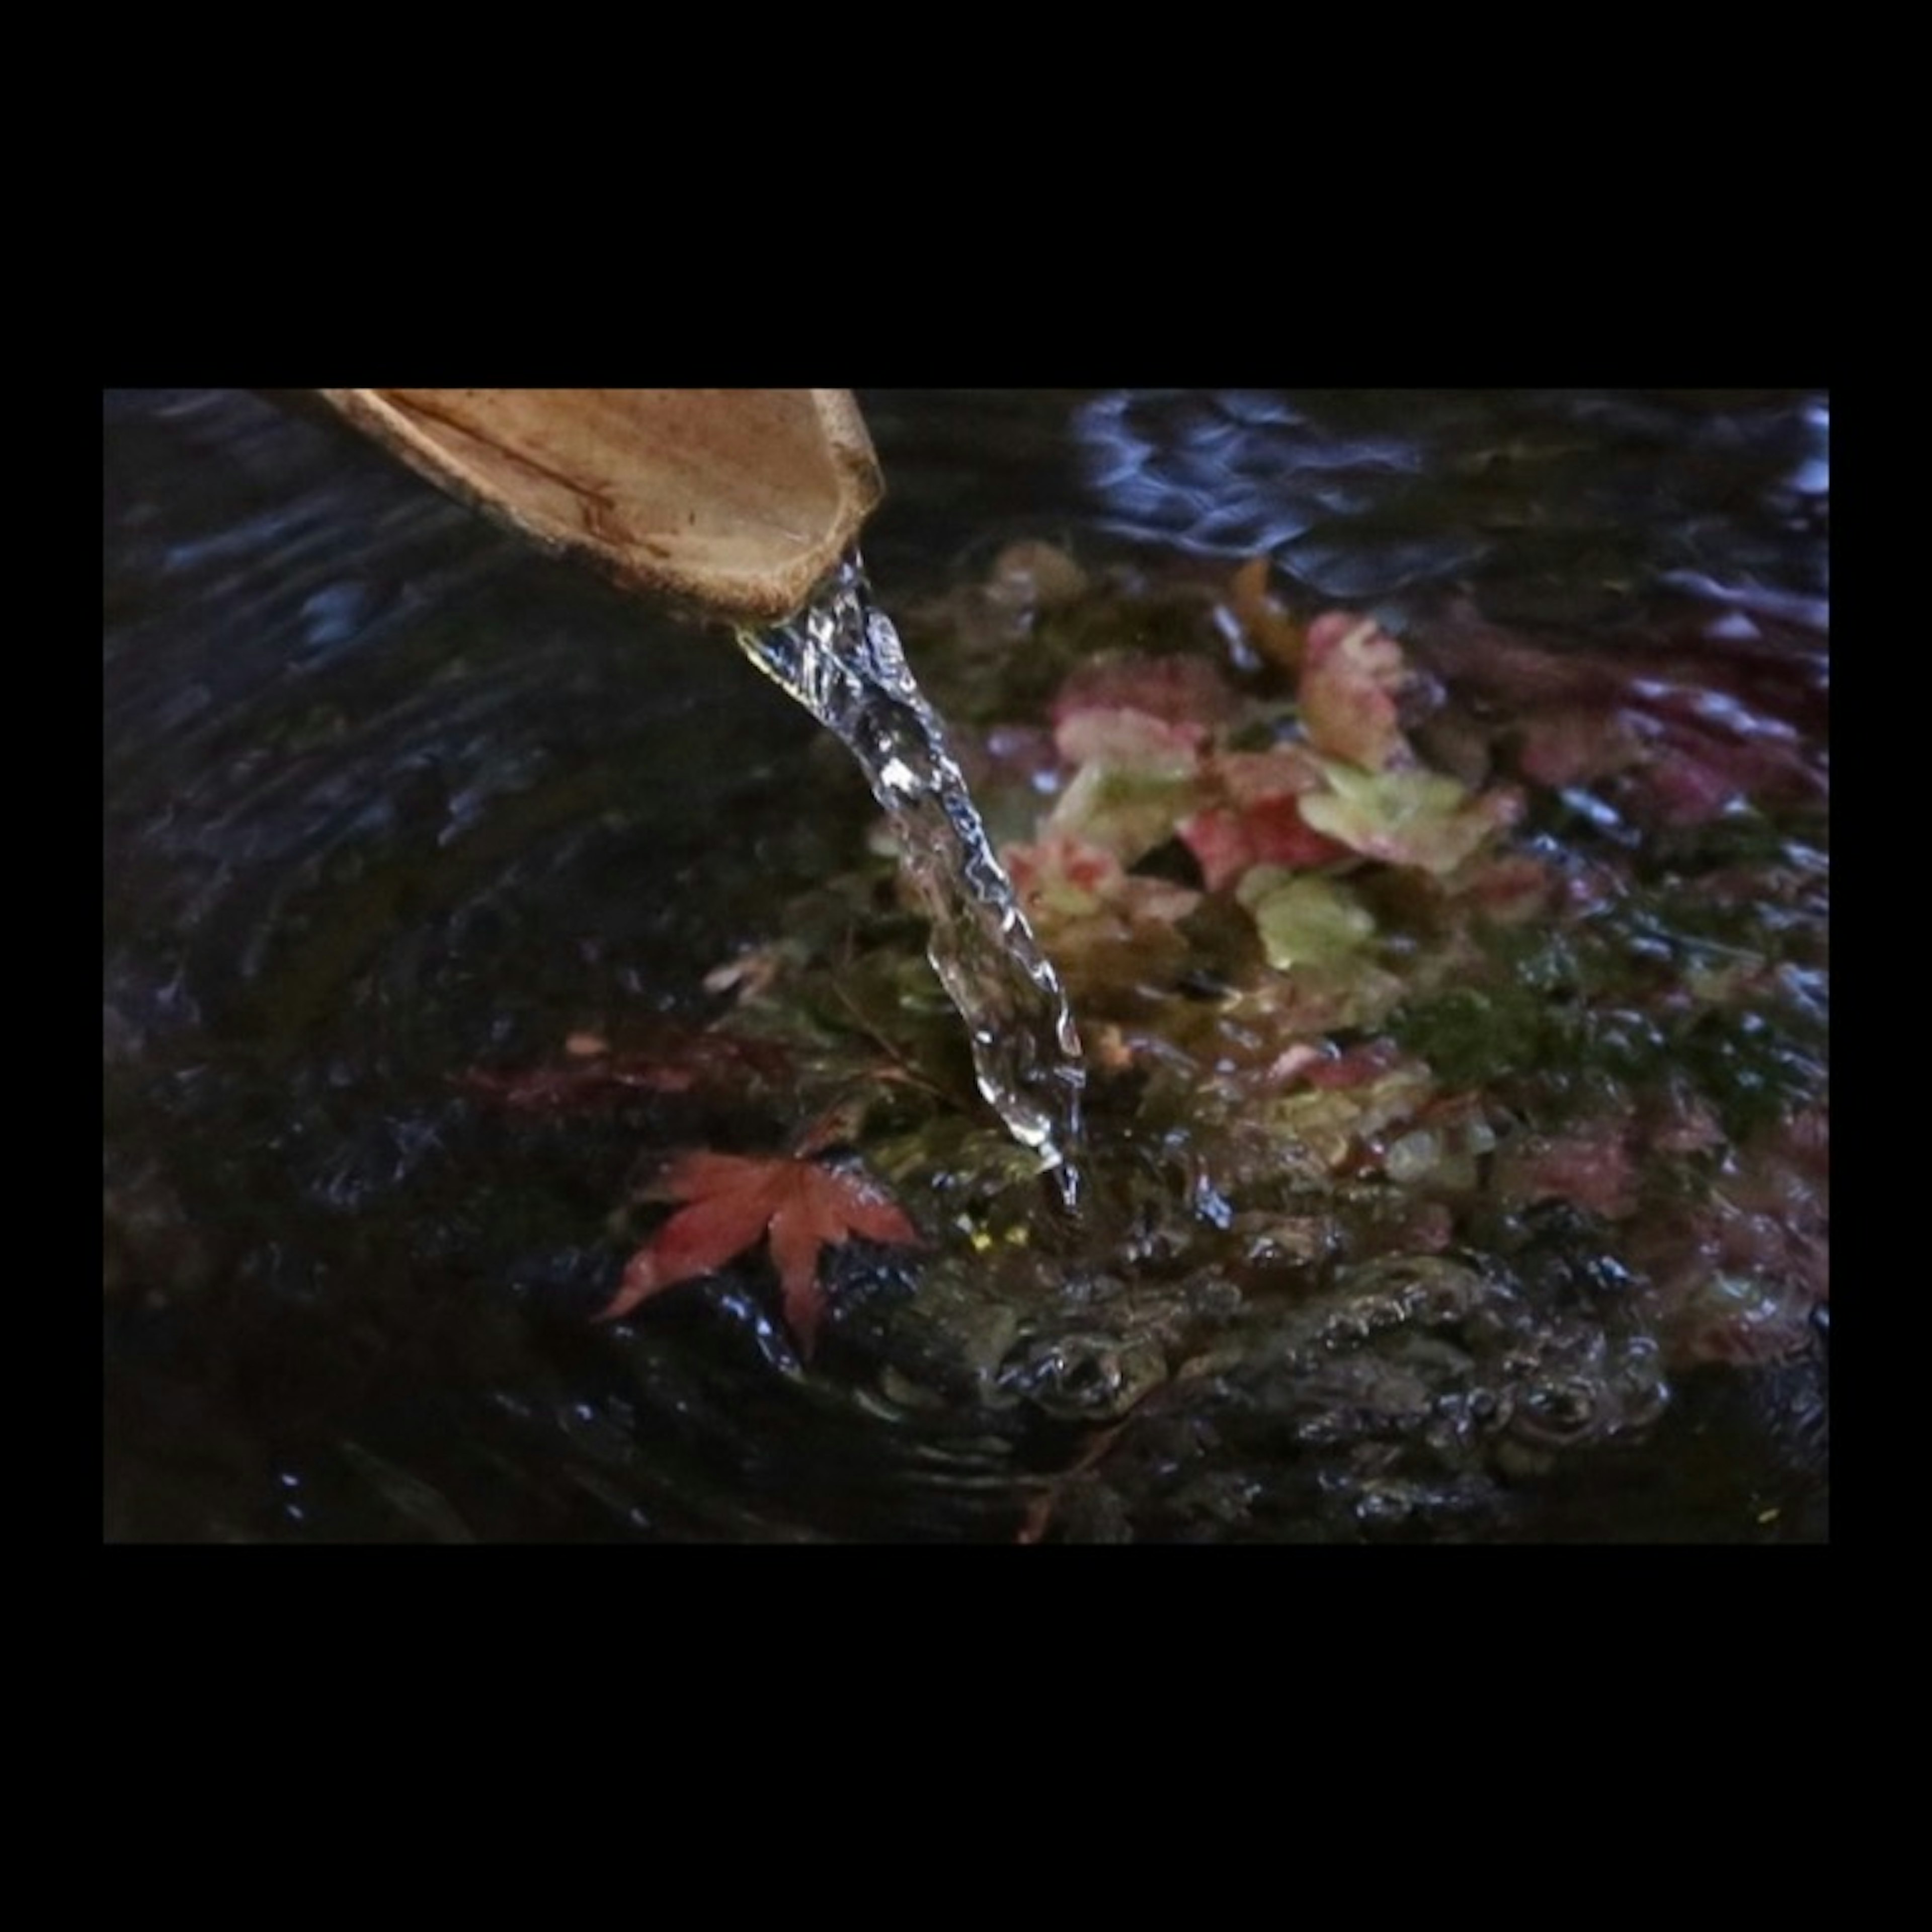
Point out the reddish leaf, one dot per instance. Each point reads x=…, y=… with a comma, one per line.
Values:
x=676, y=1062
x=1698, y=770
x=1253, y=818
x=732, y=1201
x=1271, y=832
x=1352, y=673
x=1063, y=875
x=1591, y=1165
x=1355, y=1065
x=1135, y=740
x=1188, y=692
x=1749, y=729
x=1108, y=930
x=1570, y=745
x=1253, y=778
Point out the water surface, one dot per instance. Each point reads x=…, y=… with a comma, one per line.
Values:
x=386, y=798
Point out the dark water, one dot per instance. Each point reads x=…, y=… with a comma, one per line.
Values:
x=387, y=798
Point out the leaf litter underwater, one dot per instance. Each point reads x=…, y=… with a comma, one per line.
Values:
x=1454, y=1000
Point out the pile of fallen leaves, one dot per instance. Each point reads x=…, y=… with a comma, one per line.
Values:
x=1380, y=946
x=1282, y=806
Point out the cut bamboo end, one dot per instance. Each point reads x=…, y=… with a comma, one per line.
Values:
x=734, y=503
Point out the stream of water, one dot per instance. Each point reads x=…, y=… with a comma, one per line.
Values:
x=841, y=659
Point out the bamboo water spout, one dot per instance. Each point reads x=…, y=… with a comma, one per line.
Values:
x=733, y=504
x=743, y=506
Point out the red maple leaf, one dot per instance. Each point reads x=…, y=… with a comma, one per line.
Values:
x=732, y=1201
x=1227, y=841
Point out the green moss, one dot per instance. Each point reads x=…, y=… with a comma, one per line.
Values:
x=1475, y=1036
x=1754, y=1067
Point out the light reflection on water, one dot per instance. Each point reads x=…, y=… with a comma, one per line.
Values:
x=1629, y=484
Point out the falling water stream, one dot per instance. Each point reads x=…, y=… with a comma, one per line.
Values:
x=841, y=659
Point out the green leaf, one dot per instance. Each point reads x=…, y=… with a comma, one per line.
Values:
x=1305, y=919
x=1416, y=818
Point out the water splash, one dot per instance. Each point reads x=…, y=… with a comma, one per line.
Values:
x=841, y=658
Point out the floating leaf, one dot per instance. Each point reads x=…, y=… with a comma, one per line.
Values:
x=733, y=1202
x=1104, y=927
x=1230, y=842
x=1351, y=672
x=1258, y=777
x=1184, y=690
x=1061, y=876
x=1573, y=745
x=1127, y=809
x=1135, y=740
x=1417, y=818
x=1591, y=1165
x=677, y=1063
x=1305, y=920
x=1254, y=817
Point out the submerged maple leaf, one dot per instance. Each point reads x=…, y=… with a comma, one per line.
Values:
x=732, y=1201
x=1352, y=674
x=673, y=1060
x=1254, y=817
